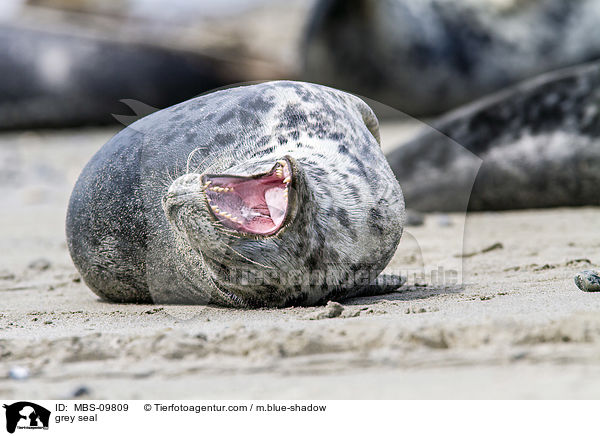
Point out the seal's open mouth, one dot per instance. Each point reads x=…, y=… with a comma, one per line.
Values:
x=256, y=205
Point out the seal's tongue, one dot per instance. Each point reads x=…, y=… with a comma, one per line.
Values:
x=256, y=204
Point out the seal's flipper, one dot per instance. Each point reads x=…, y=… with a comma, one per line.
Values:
x=383, y=284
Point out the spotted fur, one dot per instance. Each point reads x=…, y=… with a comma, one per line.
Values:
x=536, y=144
x=425, y=57
x=143, y=190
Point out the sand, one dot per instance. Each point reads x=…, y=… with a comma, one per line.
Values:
x=508, y=323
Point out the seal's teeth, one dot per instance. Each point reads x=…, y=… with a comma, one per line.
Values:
x=285, y=192
x=279, y=169
x=288, y=179
x=226, y=215
x=219, y=189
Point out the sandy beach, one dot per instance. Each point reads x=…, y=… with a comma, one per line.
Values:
x=511, y=325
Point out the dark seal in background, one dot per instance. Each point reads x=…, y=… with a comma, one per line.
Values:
x=427, y=56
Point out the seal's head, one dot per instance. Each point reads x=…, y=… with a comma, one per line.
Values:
x=246, y=224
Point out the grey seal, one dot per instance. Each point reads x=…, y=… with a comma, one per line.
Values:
x=272, y=194
x=60, y=80
x=425, y=57
x=538, y=144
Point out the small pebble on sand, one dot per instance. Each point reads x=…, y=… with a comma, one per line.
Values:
x=18, y=373
x=588, y=280
x=81, y=391
x=332, y=310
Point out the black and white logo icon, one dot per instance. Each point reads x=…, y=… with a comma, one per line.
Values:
x=26, y=415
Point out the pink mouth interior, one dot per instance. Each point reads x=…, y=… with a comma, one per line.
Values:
x=256, y=205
